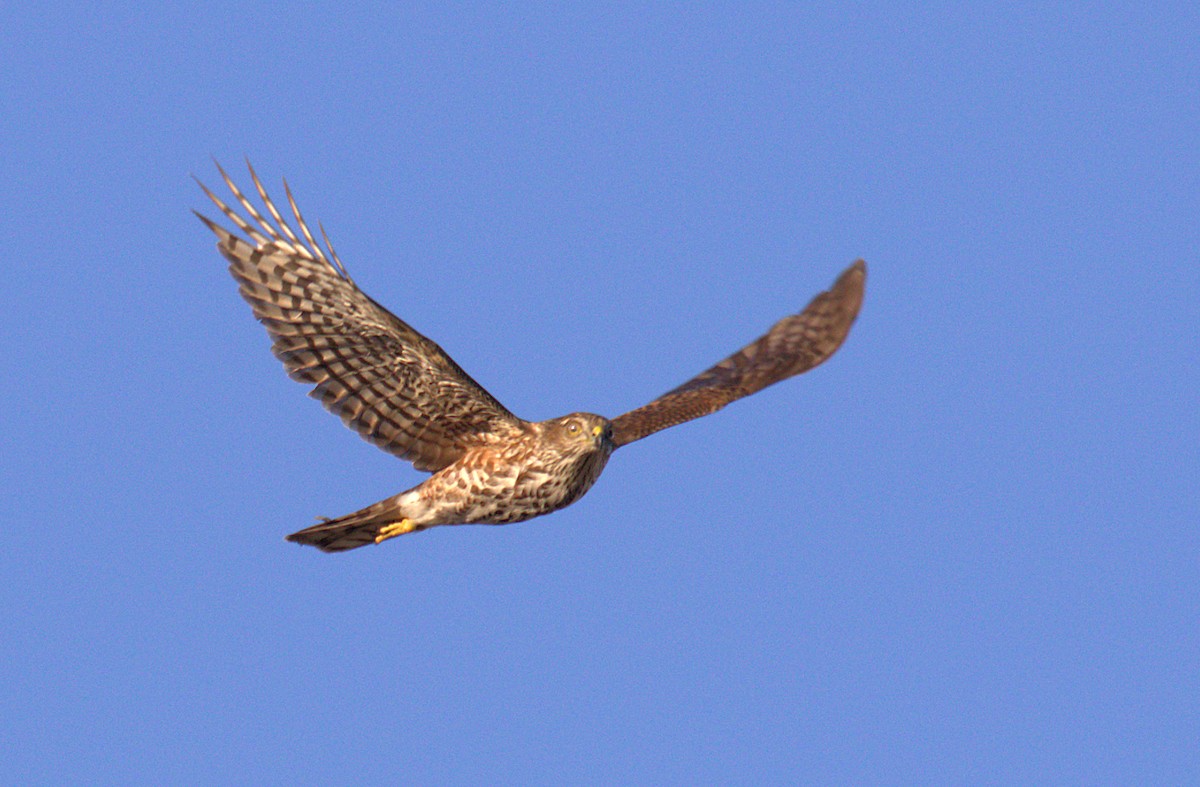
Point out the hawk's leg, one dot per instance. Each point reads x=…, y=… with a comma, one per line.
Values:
x=396, y=529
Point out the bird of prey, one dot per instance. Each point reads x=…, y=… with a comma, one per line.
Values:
x=400, y=391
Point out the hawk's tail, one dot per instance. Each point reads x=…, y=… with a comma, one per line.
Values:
x=354, y=530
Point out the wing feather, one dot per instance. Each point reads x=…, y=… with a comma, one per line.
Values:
x=795, y=344
x=386, y=381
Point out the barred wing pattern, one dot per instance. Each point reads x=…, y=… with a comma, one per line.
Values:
x=393, y=386
x=795, y=344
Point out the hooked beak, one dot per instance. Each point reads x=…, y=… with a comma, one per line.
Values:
x=602, y=435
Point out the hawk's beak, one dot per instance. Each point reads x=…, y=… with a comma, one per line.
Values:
x=597, y=431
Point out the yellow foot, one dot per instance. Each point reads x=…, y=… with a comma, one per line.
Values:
x=396, y=529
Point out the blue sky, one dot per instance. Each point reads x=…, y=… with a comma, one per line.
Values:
x=965, y=549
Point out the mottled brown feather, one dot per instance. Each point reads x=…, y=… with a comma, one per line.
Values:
x=392, y=385
x=795, y=344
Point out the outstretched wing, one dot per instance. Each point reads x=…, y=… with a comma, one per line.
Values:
x=793, y=345
x=389, y=383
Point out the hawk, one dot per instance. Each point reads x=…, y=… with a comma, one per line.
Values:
x=403, y=393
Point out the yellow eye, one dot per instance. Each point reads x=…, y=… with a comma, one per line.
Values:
x=573, y=428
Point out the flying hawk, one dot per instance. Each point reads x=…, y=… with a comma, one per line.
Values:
x=403, y=393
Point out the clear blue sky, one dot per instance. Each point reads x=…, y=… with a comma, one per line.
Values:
x=966, y=549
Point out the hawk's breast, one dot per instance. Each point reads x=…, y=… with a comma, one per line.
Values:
x=500, y=485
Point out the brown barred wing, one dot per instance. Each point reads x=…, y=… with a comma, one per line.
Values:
x=795, y=344
x=389, y=383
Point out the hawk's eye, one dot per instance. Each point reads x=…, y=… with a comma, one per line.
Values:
x=573, y=428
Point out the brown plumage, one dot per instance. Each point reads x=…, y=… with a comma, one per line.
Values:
x=403, y=393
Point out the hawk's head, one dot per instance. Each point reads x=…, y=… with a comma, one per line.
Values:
x=581, y=431
x=580, y=444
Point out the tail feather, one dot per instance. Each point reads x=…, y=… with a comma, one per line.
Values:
x=352, y=530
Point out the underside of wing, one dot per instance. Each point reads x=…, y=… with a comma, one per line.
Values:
x=393, y=386
x=795, y=344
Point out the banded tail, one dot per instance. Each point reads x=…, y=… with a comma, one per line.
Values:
x=366, y=526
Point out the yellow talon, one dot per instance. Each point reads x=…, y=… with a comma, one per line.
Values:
x=396, y=529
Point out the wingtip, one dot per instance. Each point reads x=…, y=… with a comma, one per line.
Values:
x=212, y=225
x=852, y=280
